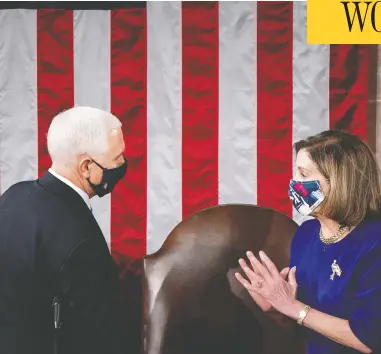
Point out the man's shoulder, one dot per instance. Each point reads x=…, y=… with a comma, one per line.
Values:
x=27, y=187
x=19, y=193
x=20, y=186
x=27, y=197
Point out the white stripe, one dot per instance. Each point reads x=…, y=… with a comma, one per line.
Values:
x=237, y=103
x=18, y=97
x=164, y=201
x=310, y=85
x=92, y=82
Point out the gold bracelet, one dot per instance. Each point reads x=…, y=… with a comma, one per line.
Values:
x=302, y=314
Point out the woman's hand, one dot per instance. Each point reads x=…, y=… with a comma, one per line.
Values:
x=266, y=285
x=260, y=300
x=266, y=282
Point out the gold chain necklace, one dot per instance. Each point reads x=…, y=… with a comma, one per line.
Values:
x=336, y=236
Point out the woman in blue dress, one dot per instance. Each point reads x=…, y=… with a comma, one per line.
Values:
x=333, y=285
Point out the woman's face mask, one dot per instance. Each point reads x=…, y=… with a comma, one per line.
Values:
x=306, y=196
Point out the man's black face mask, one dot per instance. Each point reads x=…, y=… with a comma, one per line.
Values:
x=111, y=176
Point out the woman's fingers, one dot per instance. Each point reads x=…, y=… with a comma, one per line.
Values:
x=284, y=272
x=257, y=265
x=248, y=271
x=292, y=277
x=272, y=269
x=252, y=286
x=243, y=281
x=255, y=281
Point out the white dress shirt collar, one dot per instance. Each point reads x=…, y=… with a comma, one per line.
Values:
x=82, y=193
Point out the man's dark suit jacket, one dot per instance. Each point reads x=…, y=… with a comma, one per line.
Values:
x=50, y=244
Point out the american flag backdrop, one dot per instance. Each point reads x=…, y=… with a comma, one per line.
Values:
x=211, y=96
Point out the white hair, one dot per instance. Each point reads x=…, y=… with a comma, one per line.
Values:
x=79, y=131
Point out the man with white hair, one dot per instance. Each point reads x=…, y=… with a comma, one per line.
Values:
x=57, y=279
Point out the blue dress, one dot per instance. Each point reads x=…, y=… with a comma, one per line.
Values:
x=354, y=294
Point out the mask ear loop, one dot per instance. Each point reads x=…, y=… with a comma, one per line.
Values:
x=100, y=166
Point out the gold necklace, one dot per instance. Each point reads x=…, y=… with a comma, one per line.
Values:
x=336, y=236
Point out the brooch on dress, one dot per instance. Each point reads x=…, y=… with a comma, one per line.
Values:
x=336, y=270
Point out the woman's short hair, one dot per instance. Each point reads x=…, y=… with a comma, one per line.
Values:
x=351, y=169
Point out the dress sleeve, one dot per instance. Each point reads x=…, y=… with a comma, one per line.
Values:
x=365, y=319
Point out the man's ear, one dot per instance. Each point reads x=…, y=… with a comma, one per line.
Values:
x=85, y=167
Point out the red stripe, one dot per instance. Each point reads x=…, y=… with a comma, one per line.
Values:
x=200, y=106
x=128, y=103
x=349, y=86
x=55, y=73
x=274, y=85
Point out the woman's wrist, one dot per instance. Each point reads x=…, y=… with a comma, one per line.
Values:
x=292, y=309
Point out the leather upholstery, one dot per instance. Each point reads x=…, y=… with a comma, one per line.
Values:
x=192, y=302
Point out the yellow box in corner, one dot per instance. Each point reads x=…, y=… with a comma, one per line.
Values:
x=343, y=22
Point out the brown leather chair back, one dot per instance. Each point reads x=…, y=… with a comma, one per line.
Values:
x=192, y=302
